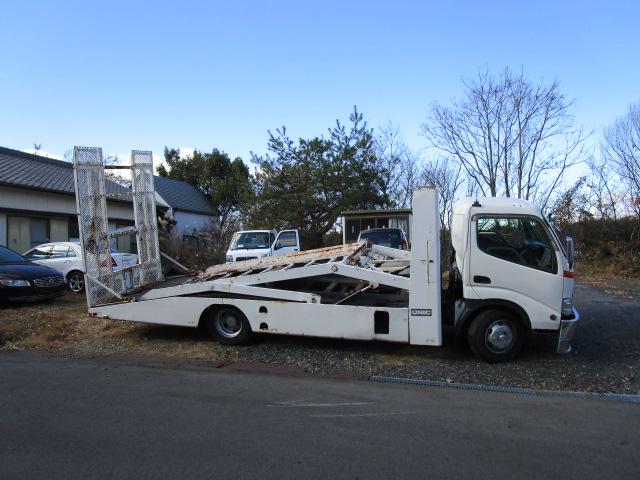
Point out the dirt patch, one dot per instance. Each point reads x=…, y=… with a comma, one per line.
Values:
x=613, y=285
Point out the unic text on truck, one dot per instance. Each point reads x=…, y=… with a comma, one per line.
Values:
x=511, y=277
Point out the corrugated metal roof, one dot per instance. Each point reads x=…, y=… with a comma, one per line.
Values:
x=183, y=196
x=387, y=211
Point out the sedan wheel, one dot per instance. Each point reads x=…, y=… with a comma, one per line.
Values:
x=75, y=281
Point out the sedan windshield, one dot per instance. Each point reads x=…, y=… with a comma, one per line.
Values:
x=250, y=240
x=9, y=256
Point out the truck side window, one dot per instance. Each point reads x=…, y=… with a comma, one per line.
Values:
x=520, y=240
x=288, y=239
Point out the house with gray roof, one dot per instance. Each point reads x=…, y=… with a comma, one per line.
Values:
x=38, y=204
x=192, y=211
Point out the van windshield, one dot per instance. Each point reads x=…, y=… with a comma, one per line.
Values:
x=250, y=240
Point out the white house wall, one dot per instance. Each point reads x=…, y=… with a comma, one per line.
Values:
x=47, y=202
x=26, y=202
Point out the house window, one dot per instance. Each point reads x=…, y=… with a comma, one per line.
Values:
x=39, y=231
x=382, y=222
x=352, y=227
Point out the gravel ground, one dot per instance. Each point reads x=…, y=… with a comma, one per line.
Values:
x=606, y=355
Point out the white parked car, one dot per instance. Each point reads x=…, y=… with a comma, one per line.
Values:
x=66, y=257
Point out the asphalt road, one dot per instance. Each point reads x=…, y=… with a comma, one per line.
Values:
x=131, y=418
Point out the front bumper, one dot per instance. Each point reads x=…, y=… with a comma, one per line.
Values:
x=568, y=327
x=31, y=294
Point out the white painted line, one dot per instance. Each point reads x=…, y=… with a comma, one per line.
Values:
x=379, y=414
x=298, y=404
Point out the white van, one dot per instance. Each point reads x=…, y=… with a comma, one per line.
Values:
x=250, y=244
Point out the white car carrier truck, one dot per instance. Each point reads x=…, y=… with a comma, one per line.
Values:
x=511, y=277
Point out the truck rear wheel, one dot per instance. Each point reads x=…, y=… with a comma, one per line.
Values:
x=229, y=326
x=496, y=335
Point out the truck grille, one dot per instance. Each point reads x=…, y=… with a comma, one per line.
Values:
x=239, y=259
x=48, y=282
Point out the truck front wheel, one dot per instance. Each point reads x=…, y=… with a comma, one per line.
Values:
x=229, y=326
x=496, y=335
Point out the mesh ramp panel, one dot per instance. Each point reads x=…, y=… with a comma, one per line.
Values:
x=93, y=223
x=103, y=284
x=144, y=205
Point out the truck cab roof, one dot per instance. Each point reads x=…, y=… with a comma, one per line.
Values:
x=259, y=230
x=495, y=205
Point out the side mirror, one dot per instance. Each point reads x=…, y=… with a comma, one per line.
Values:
x=277, y=246
x=570, y=251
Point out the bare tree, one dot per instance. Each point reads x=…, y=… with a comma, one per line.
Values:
x=620, y=149
x=512, y=137
x=447, y=177
x=398, y=163
x=603, y=198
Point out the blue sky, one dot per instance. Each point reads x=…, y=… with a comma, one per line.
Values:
x=125, y=75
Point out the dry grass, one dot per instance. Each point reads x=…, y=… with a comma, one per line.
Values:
x=54, y=324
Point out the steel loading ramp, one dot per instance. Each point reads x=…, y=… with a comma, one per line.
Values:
x=368, y=265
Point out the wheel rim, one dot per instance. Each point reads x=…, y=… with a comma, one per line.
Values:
x=500, y=336
x=76, y=282
x=228, y=323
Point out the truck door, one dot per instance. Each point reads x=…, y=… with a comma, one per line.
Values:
x=287, y=241
x=514, y=258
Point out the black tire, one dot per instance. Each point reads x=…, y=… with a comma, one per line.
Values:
x=496, y=335
x=229, y=326
x=75, y=281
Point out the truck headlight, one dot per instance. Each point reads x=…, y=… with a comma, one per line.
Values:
x=9, y=282
x=567, y=307
x=229, y=258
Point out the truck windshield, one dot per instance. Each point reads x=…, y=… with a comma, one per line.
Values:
x=250, y=240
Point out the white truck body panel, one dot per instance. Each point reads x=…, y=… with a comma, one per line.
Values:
x=330, y=321
x=300, y=313
x=425, y=324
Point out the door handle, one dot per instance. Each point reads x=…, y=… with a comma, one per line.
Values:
x=481, y=279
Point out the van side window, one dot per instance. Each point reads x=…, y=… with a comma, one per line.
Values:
x=521, y=240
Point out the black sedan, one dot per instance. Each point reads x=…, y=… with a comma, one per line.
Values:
x=24, y=281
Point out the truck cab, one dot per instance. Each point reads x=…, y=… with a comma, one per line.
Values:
x=513, y=274
x=251, y=244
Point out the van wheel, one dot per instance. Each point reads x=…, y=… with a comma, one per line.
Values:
x=75, y=281
x=496, y=335
x=229, y=326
